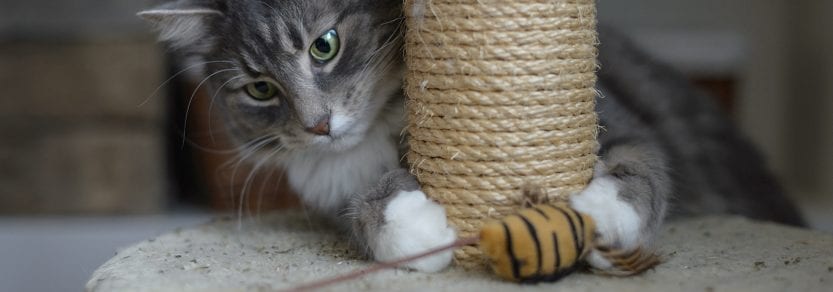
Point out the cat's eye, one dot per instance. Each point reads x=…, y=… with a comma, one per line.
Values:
x=325, y=47
x=262, y=90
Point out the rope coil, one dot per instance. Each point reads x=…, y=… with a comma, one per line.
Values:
x=500, y=97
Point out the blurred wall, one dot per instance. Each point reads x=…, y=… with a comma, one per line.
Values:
x=762, y=25
x=71, y=19
x=810, y=110
x=786, y=88
x=73, y=136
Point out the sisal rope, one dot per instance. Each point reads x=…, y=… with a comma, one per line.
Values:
x=500, y=97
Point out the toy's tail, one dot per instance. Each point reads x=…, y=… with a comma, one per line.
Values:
x=627, y=263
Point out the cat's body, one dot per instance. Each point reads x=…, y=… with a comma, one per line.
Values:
x=713, y=168
x=332, y=114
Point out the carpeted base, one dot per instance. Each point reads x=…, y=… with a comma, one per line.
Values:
x=282, y=250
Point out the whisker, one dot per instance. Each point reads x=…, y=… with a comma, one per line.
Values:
x=155, y=91
x=197, y=146
x=191, y=99
x=245, y=148
x=253, y=144
x=249, y=179
x=211, y=150
x=214, y=97
x=261, y=191
x=246, y=154
x=265, y=183
x=277, y=186
x=246, y=188
x=267, y=5
x=372, y=60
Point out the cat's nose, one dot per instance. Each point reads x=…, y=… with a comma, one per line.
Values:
x=322, y=127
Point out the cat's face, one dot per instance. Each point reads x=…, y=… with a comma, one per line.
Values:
x=303, y=74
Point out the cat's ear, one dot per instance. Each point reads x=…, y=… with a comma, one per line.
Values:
x=184, y=23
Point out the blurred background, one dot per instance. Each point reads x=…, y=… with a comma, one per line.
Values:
x=92, y=155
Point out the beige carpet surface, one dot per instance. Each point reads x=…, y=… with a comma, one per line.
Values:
x=280, y=251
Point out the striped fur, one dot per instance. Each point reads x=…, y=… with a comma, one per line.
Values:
x=627, y=263
x=540, y=243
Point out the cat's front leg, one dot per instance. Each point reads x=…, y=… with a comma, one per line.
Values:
x=395, y=219
x=627, y=198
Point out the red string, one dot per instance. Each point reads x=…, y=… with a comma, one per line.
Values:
x=382, y=266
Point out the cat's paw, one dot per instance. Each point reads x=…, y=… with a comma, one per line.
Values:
x=618, y=224
x=414, y=224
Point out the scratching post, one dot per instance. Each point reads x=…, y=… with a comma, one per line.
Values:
x=500, y=97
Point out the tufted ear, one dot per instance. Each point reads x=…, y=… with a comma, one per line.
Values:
x=183, y=23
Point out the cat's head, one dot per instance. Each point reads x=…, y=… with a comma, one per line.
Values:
x=301, y=74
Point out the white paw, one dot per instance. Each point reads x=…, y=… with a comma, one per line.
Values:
x=617, y=222
x=414, y=224
x=596, y=260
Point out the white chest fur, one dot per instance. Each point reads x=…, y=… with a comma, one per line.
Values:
x=327, y=180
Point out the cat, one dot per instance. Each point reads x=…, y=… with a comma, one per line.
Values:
x=315, y=87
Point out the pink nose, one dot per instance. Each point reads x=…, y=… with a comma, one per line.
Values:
x=322, y=128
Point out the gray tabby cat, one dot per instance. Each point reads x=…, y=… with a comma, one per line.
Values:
x=315, y=86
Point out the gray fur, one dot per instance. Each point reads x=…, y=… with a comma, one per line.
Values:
x=662, y=139
x=711, y=167
x=633, y=157
x=251, y=39
x=184, y=24
x=366, y=211
x=351, y=173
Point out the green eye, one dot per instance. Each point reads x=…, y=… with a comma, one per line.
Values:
x=325, y=47
x=262, y=90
